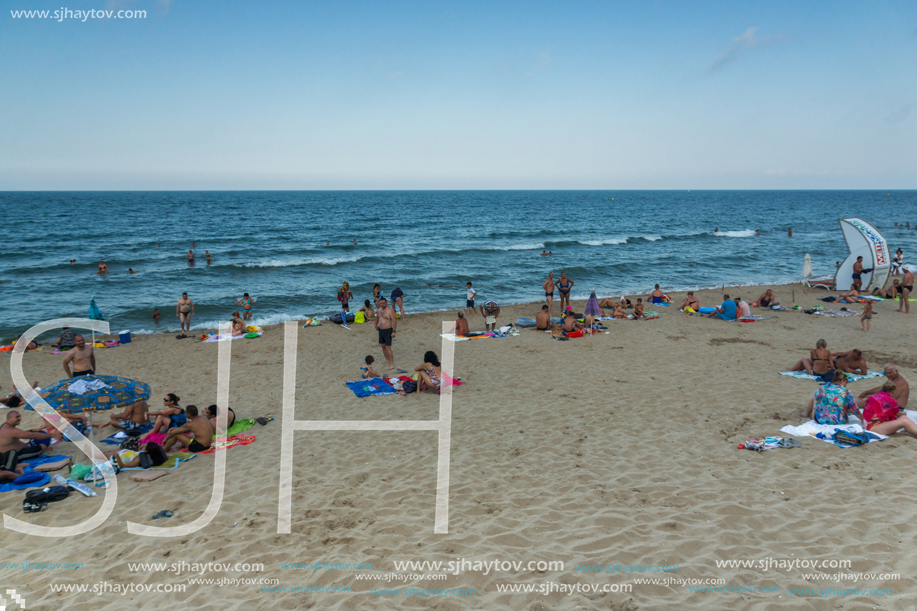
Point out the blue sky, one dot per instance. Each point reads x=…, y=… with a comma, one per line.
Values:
x=460, y=95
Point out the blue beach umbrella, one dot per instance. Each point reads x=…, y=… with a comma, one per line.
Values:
x=94, y=314
x=120, y=393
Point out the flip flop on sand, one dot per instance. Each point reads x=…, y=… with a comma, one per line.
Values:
x=165, y=513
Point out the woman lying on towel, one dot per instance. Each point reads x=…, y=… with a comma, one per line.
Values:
x=888, y=293
x=819, y=361
x=212, y=414
x=430, y=374
x=150, y=455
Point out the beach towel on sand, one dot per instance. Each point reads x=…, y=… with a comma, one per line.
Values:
x=30, y=465
x=851, y=377
x=811, y=428
x=224, y=443
x=371, y=387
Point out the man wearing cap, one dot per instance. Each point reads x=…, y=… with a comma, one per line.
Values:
x=490, y=309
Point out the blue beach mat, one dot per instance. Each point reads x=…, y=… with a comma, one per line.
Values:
x=371, y=387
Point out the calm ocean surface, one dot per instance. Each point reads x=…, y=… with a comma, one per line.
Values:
x=272, y=245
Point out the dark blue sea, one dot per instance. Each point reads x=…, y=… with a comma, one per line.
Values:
x=292, y=250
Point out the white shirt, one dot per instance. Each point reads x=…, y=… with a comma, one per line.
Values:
x=471, y=294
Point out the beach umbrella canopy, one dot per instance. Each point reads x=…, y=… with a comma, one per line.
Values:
x=114, y=391
x=592, y=306
x=807, y=267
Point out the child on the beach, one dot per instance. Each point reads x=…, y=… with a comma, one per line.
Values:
x=866, y=316
x=469, y=300
x=638, y=309
x=367, y=368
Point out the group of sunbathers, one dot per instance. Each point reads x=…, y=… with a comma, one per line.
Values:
x=185, y=428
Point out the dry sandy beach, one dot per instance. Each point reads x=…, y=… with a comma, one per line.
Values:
x=617, y=448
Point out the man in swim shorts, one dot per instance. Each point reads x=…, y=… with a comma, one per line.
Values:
x=857, y=273
x=198, y=426
x=543, y=319
x=11, y=438
x=386, y=324
x=850, y=362
x=490, y=310
x=82, y=357
x=132, y=419
x=185, y=310
x=548, y=287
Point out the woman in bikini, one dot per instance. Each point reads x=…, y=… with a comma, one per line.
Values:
x=430, y=374
x=563, y=287
x=690, y=302
x=819, y=361
x=368, y=312
x=888, y=293
x=246, y=303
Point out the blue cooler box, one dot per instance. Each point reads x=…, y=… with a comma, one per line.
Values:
x=125, y=337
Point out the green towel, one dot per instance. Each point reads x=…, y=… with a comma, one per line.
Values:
x=237, y=427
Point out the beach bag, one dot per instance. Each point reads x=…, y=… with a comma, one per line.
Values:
x=880, y=407
x=131, y=443
x=847, y=438
x=409, y=386
x=47, y=495
x=359, y=318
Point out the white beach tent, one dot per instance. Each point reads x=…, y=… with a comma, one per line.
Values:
x=863, y=240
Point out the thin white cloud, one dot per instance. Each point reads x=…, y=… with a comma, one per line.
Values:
x=740, y=45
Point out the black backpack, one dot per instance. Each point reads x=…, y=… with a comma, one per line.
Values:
x=38, y=499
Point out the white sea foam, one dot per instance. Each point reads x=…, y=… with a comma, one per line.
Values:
x=297, y=262
x=747, y=233
x=535, y=246
x=605, y=242
x=652, y=238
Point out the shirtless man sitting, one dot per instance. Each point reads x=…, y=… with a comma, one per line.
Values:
x=850, y=362
x=82, y=357
x=543, y=319
x=133, y=418
x=11, y=438
x=900, y=394
x=638, y=310
x=198, y=426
